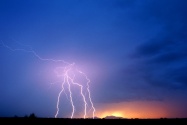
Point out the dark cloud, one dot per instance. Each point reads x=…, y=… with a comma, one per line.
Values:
x=164, y=58
x=152, y=48
x=170, y=57
x=158, y=65
x=163, y=65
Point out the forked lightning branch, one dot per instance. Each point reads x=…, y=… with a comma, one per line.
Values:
x=67, y=79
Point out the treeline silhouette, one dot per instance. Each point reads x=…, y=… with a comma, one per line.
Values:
x=32, y=115
x=32, y=119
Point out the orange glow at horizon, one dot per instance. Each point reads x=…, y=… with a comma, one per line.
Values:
x=139, y=109
x=117, y=114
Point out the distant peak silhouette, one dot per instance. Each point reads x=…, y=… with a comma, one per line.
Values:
x=113, y=117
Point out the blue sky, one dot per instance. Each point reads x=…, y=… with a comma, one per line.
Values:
x=132, y=50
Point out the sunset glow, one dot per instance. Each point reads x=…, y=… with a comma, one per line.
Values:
x=117, y=114
x=140, y=109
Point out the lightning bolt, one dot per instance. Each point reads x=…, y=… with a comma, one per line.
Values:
x=81, y=87
x=88, y=89
x=68, y=79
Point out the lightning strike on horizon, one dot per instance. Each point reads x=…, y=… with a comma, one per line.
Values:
x=88, y=89
x=70, y=95
x=67, y=79
x=63, y=90
x=81, y=87
x=58, y=99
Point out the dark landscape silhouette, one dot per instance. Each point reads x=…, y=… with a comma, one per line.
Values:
x=33, y=119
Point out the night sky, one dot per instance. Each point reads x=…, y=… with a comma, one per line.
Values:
x=133, y=51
